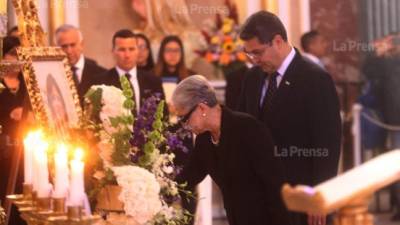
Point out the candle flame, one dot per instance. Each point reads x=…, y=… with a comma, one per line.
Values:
x=62, y=148
x=78, y=154
x=61, y=154
x=35, y=139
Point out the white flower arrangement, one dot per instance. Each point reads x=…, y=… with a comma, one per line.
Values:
x=112, y=106
x=136, y=153
x=140, y=192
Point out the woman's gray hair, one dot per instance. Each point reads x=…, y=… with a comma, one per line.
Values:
x=193, y=91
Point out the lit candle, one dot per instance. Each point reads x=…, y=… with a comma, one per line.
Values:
x=43, y=187
x=29, y=143
x=77, y=190
x=61, y=172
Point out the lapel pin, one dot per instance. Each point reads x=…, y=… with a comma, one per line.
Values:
x=287, y=82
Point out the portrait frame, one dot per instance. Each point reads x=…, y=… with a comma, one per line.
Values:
x=46, y=67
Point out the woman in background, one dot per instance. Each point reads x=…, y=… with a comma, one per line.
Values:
x=14, y=105
x=13, y=96
x=145, y=56
x=171, y=64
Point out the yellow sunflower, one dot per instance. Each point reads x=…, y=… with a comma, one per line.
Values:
x=228, y=47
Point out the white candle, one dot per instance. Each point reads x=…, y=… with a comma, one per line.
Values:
x=28, y=156
x=43, y=187
x=77, y=190
x=61, y=172
x=32, y=142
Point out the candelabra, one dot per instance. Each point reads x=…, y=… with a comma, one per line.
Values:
x=49, y=211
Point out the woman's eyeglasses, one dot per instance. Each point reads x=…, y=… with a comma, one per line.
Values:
x=183, y=120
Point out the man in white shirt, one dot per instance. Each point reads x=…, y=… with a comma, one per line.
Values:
x=125, y=52
x=86, y=72
x=296, y=100
x=314, y=46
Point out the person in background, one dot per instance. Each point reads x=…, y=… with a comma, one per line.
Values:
x=13, y=107
x=86, y=72
x=145, y=59
x=12, y=98
x=171, y=60
x=125, y=52
x=382, y=70
x=314, y=46
x=391, y=107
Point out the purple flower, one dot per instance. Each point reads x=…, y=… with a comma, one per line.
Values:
x=138, y=140
x=135, y=157
x=176, y=140
x=144, y=123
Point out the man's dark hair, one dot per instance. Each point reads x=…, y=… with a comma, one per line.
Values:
x=307, y=39
x=124, y=33
x=264, y=26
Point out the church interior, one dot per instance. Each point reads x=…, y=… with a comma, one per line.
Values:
x=67, y=105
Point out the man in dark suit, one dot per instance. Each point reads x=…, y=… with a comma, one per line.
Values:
x=86, y=72
x=297, y=101
x=125, y=51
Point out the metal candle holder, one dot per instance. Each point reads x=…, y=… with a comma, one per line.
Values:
x=44, y=211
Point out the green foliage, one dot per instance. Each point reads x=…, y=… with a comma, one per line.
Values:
x=120, y=155
x=95, y=96
x=155, y=138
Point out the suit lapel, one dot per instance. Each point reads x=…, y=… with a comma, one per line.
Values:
x=287, y=82
x=142, y=85
x=85, y=78
x=255, y=98
x=114, y=79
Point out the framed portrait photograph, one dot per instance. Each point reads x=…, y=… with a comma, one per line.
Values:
x=51, y=88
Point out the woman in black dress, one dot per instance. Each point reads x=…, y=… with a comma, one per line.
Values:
x=234, y=149
x=14, y=104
